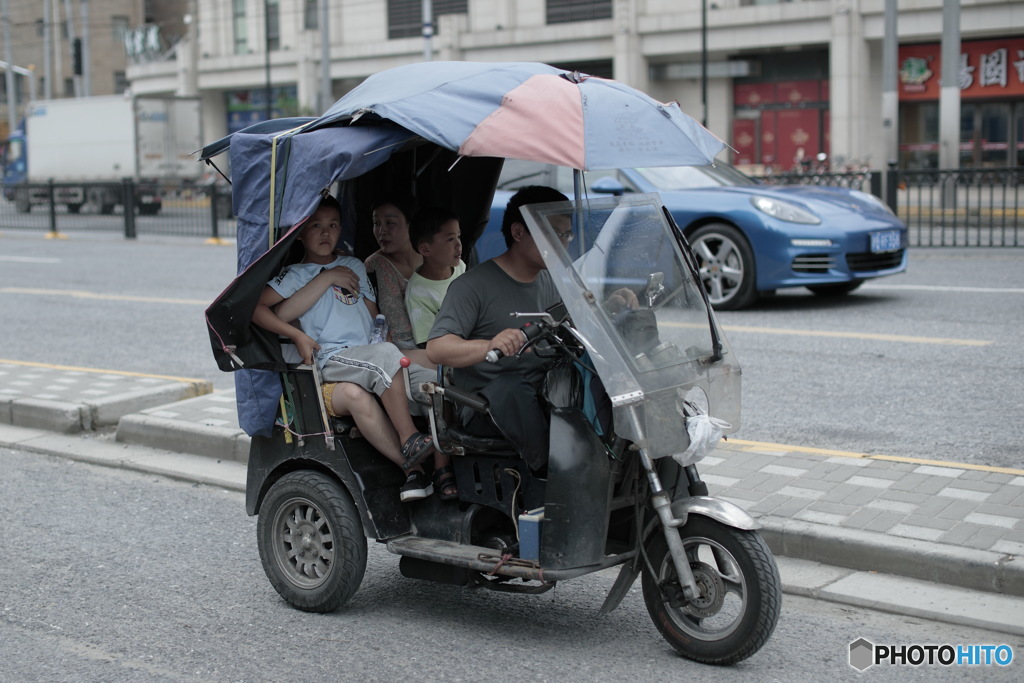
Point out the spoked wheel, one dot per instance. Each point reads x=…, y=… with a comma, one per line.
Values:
x=740, y=592
x=727, y=268
x=311, y=541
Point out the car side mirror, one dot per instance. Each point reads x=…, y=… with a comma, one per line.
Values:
x=609, y=185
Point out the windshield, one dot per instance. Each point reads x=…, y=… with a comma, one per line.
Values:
x=694, y=177
x=635, y=302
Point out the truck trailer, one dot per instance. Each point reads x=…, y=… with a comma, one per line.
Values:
x=89, y=146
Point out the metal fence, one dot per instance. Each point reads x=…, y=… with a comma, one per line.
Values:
x=967, y=207
x=168, y=208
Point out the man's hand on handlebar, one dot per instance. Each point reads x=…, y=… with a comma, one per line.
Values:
x=507, y=342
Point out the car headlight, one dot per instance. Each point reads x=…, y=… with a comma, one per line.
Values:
x=873, y=200
x=784, y=211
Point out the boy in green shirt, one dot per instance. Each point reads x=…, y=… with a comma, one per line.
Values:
x=435, y=234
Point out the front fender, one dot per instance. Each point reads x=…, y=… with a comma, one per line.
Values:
x=717, y=509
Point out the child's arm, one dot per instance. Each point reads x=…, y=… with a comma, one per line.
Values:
x=301, y=301
x=265, y=317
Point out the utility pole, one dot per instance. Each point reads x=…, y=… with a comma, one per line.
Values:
x=266, y=64
x=12, y=97
x=47, y=50
x=949, y=93
x=428, y=30
x=326, y=91
x=86, y=60
x=70, y=19
x=890, y=96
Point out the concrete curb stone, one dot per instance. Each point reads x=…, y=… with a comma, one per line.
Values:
x=227, y=443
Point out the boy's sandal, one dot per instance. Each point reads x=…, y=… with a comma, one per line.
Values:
x=415, y=449
x=444, y=482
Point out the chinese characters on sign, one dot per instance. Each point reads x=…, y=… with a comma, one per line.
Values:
x=987, y=68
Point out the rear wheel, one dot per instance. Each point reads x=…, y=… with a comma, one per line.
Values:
x=840, y=289
x=727, y=268
x=740, y=592
x=311, y=541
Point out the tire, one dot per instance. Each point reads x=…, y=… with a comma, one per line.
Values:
x=727, y=268
x=311, y=541
x=841, y=289
x=740, y=592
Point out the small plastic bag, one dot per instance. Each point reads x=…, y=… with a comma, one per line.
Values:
x=705, y=433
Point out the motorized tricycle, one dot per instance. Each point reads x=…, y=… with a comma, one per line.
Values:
x=636, y=396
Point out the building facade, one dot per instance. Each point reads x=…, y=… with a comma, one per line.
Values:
x=780, y=81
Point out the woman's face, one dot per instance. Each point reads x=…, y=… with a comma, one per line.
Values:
x=391, y=229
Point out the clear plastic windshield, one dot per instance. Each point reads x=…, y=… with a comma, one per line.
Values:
x=635, y=303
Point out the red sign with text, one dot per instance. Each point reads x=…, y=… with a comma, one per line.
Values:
x=987, y=68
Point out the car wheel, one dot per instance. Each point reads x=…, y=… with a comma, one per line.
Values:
x=727, y=268
x=840, y=289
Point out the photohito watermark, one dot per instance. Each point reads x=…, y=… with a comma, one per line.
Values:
x=864, y=653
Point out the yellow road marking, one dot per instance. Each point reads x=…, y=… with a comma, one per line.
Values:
x=860, y=335
x=107, y=297
x=760, y=445
x=99, y=371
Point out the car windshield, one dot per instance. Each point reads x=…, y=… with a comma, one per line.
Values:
x=694, y=177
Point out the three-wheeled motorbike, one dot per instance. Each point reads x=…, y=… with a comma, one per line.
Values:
x=636, y=396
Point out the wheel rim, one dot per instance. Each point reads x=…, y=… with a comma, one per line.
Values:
x=722, y=591
x=303, y=543
x=721, y=266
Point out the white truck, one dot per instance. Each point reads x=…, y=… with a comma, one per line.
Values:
x=89, y=146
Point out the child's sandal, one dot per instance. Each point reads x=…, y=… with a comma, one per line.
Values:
x=415, y=449
x=444, y=482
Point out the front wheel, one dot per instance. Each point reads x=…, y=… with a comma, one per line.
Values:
x=727, y=268
x=740, y=592
x=311, y=541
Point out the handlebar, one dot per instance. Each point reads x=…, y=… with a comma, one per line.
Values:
x=531, y=331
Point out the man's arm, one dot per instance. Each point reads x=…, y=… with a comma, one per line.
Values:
x=454, y=351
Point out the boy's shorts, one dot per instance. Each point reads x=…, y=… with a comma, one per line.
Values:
x=372, y=368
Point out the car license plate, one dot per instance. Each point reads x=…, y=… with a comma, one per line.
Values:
x=888, y=240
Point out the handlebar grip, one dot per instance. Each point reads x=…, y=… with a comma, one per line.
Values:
x=530, y=330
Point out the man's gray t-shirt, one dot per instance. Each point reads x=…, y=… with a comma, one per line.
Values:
x=478, y=306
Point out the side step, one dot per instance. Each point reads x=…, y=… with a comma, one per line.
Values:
x=474, y=557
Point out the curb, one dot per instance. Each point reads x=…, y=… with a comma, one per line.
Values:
x=67, y=417
x=876, y=552
x=225, y=443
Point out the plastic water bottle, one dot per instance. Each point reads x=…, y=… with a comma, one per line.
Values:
x=380, y=329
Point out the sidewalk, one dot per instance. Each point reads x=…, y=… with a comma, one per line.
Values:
x=925, y=538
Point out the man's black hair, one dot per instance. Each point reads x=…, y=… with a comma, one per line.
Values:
x=427, y=222
x=531, y=194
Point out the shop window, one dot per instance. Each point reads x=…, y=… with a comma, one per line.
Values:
x=563, y=11
x=405, y=17
x=311, y=18
x=240, y=24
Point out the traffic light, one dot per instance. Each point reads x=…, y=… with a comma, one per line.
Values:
x=76, y=56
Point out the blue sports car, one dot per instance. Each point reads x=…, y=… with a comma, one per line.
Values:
x=750, y=238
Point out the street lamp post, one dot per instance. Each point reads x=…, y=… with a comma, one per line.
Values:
x=704, y=62
x=266, y=59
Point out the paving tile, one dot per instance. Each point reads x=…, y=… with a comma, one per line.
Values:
x=933, y=506
x=989, y=508
x=992, y=520
x=803, y=493
x=972, y=536
x=1007, y=495
x=791, y=507
x=929, y=522
x=833, y=508
x=976, y=485
x=919, y=532
x=964, y=494
x=957, y=510
x=1017, y=481
x=783, y=471
x=884, y=521
x=861, y=518
x=772, y=482
x=909, y=482
x=1008, y=547
x=947, y=472
x=931, y=485
x=820, y=517
x=873, y=482
x=915, y=497
x=852, y=462
x=849, y=494
x=893, y=506
x=769, y=504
